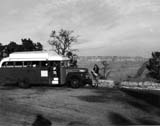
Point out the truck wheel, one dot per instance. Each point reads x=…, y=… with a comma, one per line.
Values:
x=23, y=84
x=75, y=83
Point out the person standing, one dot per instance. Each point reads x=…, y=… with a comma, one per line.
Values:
x=95, y=73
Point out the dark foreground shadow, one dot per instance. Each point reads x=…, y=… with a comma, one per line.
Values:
x=150, y=103
x=139, y=105
x=147, y=102
x=41, y=121
x=150, y=97
x=102, y=95
x=147, y=121
x=118, y=119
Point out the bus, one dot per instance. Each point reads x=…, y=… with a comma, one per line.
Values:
x=41, y=68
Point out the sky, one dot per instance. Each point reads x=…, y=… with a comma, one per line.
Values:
x=104, y=27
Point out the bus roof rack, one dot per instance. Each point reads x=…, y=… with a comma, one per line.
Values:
x=36, y=55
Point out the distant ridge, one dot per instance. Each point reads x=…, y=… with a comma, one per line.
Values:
x=113, y=58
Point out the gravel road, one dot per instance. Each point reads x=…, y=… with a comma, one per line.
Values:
x=64, y=106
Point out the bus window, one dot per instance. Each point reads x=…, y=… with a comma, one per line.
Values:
x=27, y=64
x=4, y=64
x=35, y=63
x=53, y=63
x=10, y=64
x=18, y=64
x=44, y=64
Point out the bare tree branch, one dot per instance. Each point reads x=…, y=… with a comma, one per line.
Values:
x=62, y=41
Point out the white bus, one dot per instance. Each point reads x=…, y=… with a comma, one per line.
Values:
x=41, y=67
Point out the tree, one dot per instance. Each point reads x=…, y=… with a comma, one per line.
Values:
x=106, y=69
x=3, y=51
x=62, y=41
x=12, y=47
x=73, y=59
x=154, y=66
x=38, y=46
x=28, y=45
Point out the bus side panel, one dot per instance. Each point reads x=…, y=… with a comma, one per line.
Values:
x=34, y=75
x=13, y=75
x=8, y=75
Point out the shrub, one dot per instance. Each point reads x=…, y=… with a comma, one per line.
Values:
x=154, y=66
x=106, y=70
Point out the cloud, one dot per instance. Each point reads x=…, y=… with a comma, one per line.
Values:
x=104, y=25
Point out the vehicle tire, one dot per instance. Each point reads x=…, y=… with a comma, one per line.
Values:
x=23, y=84
x=75, y=83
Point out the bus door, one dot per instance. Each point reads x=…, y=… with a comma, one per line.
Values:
x=54, y=72
x=45, y=72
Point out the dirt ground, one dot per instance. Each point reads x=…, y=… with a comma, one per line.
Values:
x=74, y=107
